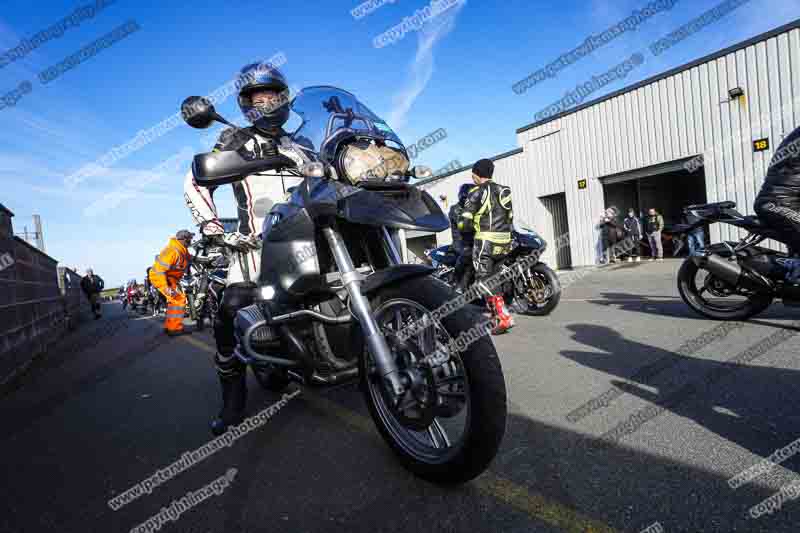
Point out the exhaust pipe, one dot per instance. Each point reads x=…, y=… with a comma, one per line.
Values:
x=730, y=272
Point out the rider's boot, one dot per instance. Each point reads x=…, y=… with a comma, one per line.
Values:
x=234, y=400
x=503, y=319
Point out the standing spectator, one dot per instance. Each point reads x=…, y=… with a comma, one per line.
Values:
x=653, y=225
x=633, y=233
x=92, y=286
x=610, y=234
x=697, y=237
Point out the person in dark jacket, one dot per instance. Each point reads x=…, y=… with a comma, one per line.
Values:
x=633, y=234
x=653, y=226
x=92, y=286
x=462, y=241
x=489, y=213
x=778, y=202
x=610, y=234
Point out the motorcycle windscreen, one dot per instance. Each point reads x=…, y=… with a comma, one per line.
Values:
x=324, y=111
x=399, y=207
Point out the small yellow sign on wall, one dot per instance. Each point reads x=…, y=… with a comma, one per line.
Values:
x=581, y=184
x=760, y=145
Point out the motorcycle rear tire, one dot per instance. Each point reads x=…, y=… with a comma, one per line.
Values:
x=686, y=287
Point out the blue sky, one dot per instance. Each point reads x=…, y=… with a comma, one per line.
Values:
x=456, y=74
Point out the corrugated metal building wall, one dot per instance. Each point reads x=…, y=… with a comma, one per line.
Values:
x=669, y=118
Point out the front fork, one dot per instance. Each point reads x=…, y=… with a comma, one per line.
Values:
x=359, y=304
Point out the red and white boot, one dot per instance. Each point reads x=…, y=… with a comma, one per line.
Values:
x=503, y=319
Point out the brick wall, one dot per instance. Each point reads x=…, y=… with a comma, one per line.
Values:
x=38, y=301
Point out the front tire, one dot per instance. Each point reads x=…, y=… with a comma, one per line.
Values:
x=547, y=281
x=443, y=461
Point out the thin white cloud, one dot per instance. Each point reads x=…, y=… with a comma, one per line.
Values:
x=422, y=67
x=134, y=182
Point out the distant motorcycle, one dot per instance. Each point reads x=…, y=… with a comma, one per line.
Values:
x=535, y=291
x=733, y=280
x=135, y=299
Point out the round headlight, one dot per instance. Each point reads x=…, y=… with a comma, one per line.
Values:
x=362, y=161
x=366, y=161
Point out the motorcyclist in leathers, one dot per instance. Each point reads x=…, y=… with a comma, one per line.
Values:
x=263, y=99
x=462, y=241
x=488, y=212
x=778, y=202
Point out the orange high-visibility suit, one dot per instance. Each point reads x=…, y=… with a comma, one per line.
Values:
x=167, y=271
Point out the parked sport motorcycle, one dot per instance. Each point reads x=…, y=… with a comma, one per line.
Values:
x=734, y=280
x=333, y=301
x=535, y=291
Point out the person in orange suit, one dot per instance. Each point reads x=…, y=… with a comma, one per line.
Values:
x=166, y=274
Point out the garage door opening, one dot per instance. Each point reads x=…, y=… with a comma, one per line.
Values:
x=668, y=193
x=667, y=189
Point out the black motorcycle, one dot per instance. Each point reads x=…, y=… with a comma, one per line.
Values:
x=209, y=270
x=334, y=302
x=733, y=280
x=532, y=291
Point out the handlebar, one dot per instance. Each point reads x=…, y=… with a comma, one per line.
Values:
x=219, y=168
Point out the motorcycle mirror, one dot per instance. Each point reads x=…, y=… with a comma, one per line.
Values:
x=422, y=172
x=198, y=112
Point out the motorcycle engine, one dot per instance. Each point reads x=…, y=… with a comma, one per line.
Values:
x=253, y=333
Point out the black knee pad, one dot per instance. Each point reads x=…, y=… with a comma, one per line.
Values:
x=234, y=297
x=237, y=296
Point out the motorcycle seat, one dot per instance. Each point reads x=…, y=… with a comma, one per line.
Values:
x=754, y=222
x=716, y=205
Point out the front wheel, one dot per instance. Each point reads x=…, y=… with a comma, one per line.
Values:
x=539, y=294
x=448, y=425
x=714, y=298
